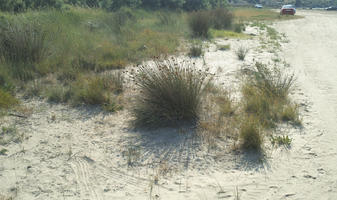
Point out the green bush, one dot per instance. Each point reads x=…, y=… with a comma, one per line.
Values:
x=200, y=23
x=221, y=18
x=170, y=92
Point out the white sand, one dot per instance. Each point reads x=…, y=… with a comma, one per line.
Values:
x=83, y=154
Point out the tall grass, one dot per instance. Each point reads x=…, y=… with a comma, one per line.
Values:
x=265, y=95
x=22, y=41
x=171, y=91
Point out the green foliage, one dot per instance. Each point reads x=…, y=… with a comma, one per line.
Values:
x=238, y=28
x=170, y=92
x=7, y=100
x=281, y=140
x=103, y=91
x=200, y=23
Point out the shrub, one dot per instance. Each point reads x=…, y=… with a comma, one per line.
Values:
x=170, y=91
x=7, y=100
x=242, y=52
x=221, y=18
x=200, y=23
x=195, y=51
x=251, y=135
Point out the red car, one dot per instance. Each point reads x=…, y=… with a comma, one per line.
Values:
x=288, y=10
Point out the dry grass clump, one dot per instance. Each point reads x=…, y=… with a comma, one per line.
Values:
x=291, y=113
x=195, y=51
x=171, y=91
x=265, y=94
x=250, y=134
x=241, y=52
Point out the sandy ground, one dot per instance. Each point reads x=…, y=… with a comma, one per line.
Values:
x=72, y=153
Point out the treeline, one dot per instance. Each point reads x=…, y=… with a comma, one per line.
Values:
x=22, y=5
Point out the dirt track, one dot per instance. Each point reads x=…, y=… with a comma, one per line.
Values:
x=312, y=52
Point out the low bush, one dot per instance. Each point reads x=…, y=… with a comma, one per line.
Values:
x=171, y=91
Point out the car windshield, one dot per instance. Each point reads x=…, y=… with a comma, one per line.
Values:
x=288, y=6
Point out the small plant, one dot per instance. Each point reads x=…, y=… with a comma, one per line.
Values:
x=224, y=47
x=250, y=134
x=242, y=52
x=132, y=154
x=200, y=23
x=281, y=140
x=3, y=152
x=195, y=51
x=170, y=92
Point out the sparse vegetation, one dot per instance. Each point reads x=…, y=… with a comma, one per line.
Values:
x=281, y=140
x=10, y=134
x=195, y=51
x=224, y=47
x=265, y=94
x=241, y=52
x=170, y=92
